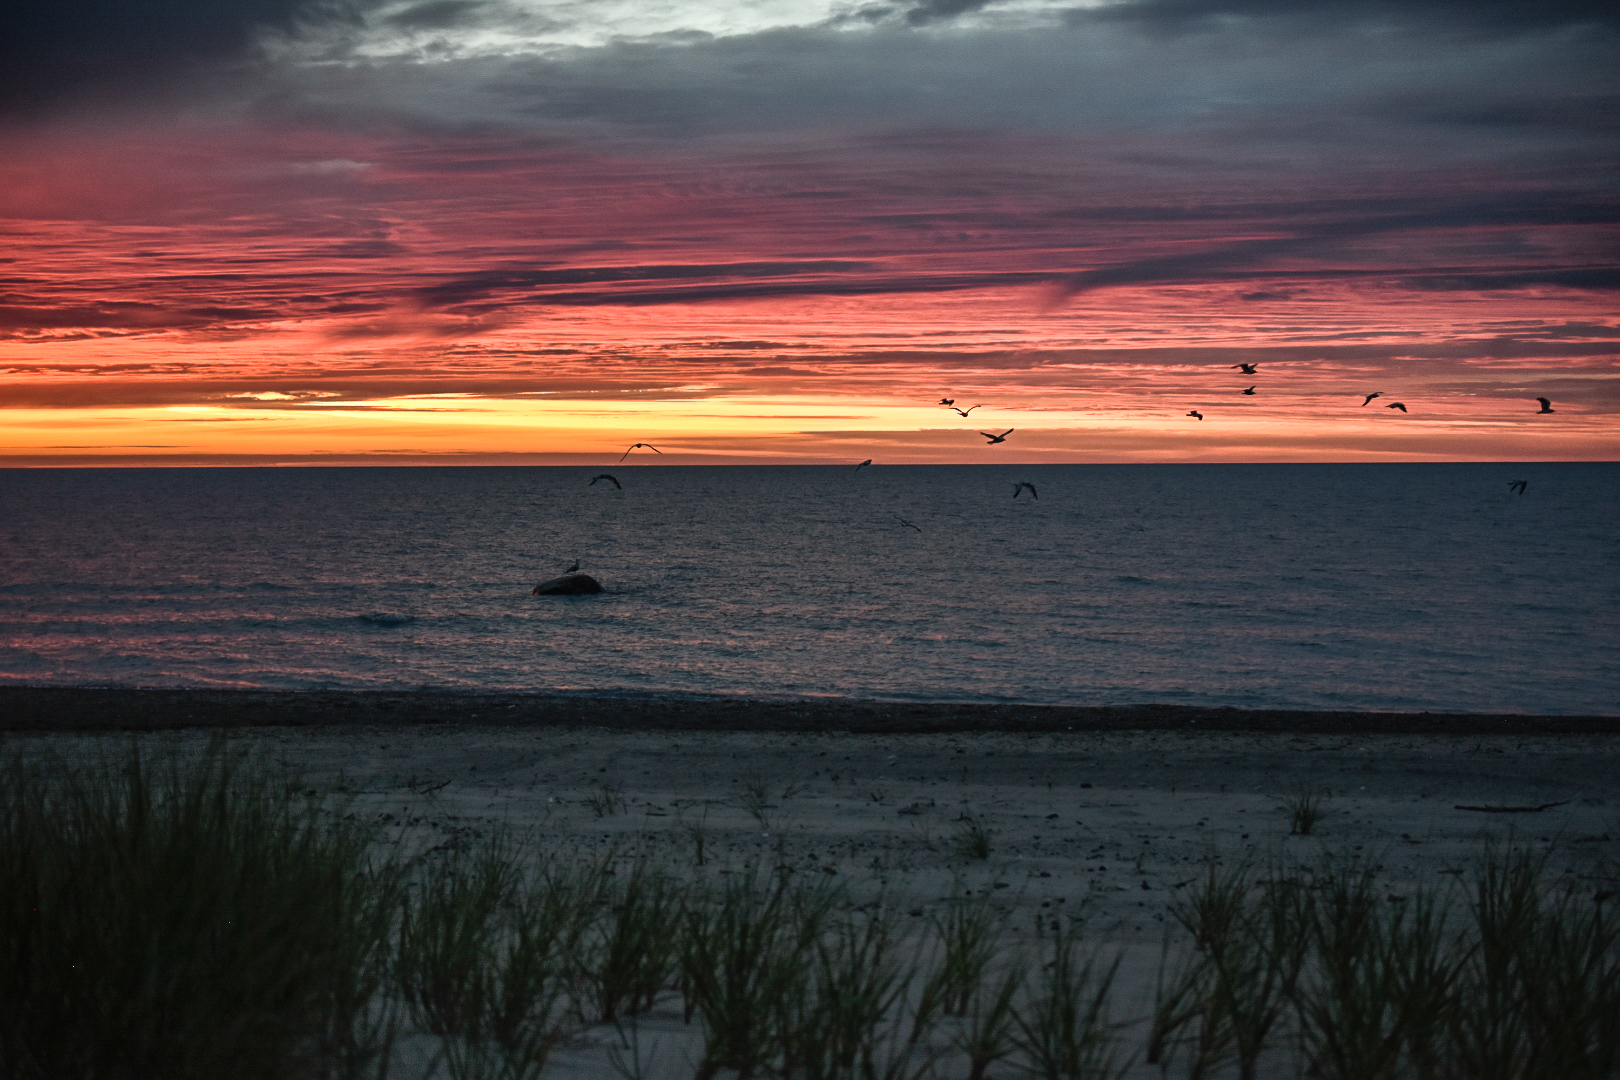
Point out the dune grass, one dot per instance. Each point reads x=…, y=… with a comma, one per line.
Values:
x=203, y=915
x=190, y=917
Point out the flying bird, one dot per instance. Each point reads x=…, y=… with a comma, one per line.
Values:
x=1519, y=486
x=1248, y=369
x=863, y=464
x=1396, y=405
x=638, y=446
x=1249, y=392
x=1018, y=489
x=947, y=401
x=964, y=412
x=1196, y=413
x=997, y=438
x=609, y=477
x=1376, y=393
x=906, y=523
x=1546, y=406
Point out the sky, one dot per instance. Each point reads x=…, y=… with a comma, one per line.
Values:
x=242, y=232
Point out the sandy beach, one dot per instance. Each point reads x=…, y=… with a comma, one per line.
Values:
x=1109, y=822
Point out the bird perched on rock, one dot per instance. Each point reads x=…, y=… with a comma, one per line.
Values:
x=609, y=477
x=1196, y=413
x=997, y=438
x=1018, y=489
x=1546, y=406
x=1396, y=405
x=1375, y=393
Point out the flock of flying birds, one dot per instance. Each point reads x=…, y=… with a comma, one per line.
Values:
x=1250, y=369
x=1024, y=485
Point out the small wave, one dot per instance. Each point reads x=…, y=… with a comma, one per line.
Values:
x=384, y=618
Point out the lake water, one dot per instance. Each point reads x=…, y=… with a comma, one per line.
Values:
x=1409, y=587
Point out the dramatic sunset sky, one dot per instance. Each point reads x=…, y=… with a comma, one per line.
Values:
x=536, y=231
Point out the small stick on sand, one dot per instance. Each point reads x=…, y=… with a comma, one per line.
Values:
x=1512, y=809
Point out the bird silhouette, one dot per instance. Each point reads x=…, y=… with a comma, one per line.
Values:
x=997, y=438
x=1519, y=486
x=1249, y=392
x=1248, y=369
x=1396, y=405
x=906, y=523
x=1018, y=489
x=947, y=401
x=1376, y=393
x=863, y=464
x=573, y=569
x=638, y=445
x=1546, y=406
x=1196, y=413
x=964, y=412
x=609, y=477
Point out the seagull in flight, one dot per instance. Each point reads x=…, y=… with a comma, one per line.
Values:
x=1248, y=369
x=964, y=412
x=1375, y=393
x=1546, y=406
x=1519, y=486
x=1196, y=413
x=863, y=464
x=1396, y=405
x=1249, y=392
x=638, y=446
x=947, y=401
x=1018, y=489
x=997, y=438
x=609, y=477
x=906, y=523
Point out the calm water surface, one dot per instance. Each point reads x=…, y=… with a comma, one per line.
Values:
x=1322, y=586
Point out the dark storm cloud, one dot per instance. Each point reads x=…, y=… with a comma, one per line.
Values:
x=19, y=319
x=1601, y=277
x=493, y=290
x=468, y=288
x=438, y=15
x=55, y=49
x=1232, y=261
x=1503, y=16
x=931, y=11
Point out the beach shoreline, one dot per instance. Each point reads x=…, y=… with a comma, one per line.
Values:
x=42, y=709
x=1108, y=819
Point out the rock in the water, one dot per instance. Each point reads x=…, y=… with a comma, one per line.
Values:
x=568, y=585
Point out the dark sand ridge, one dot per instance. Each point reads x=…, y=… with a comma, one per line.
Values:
x=50, y=708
